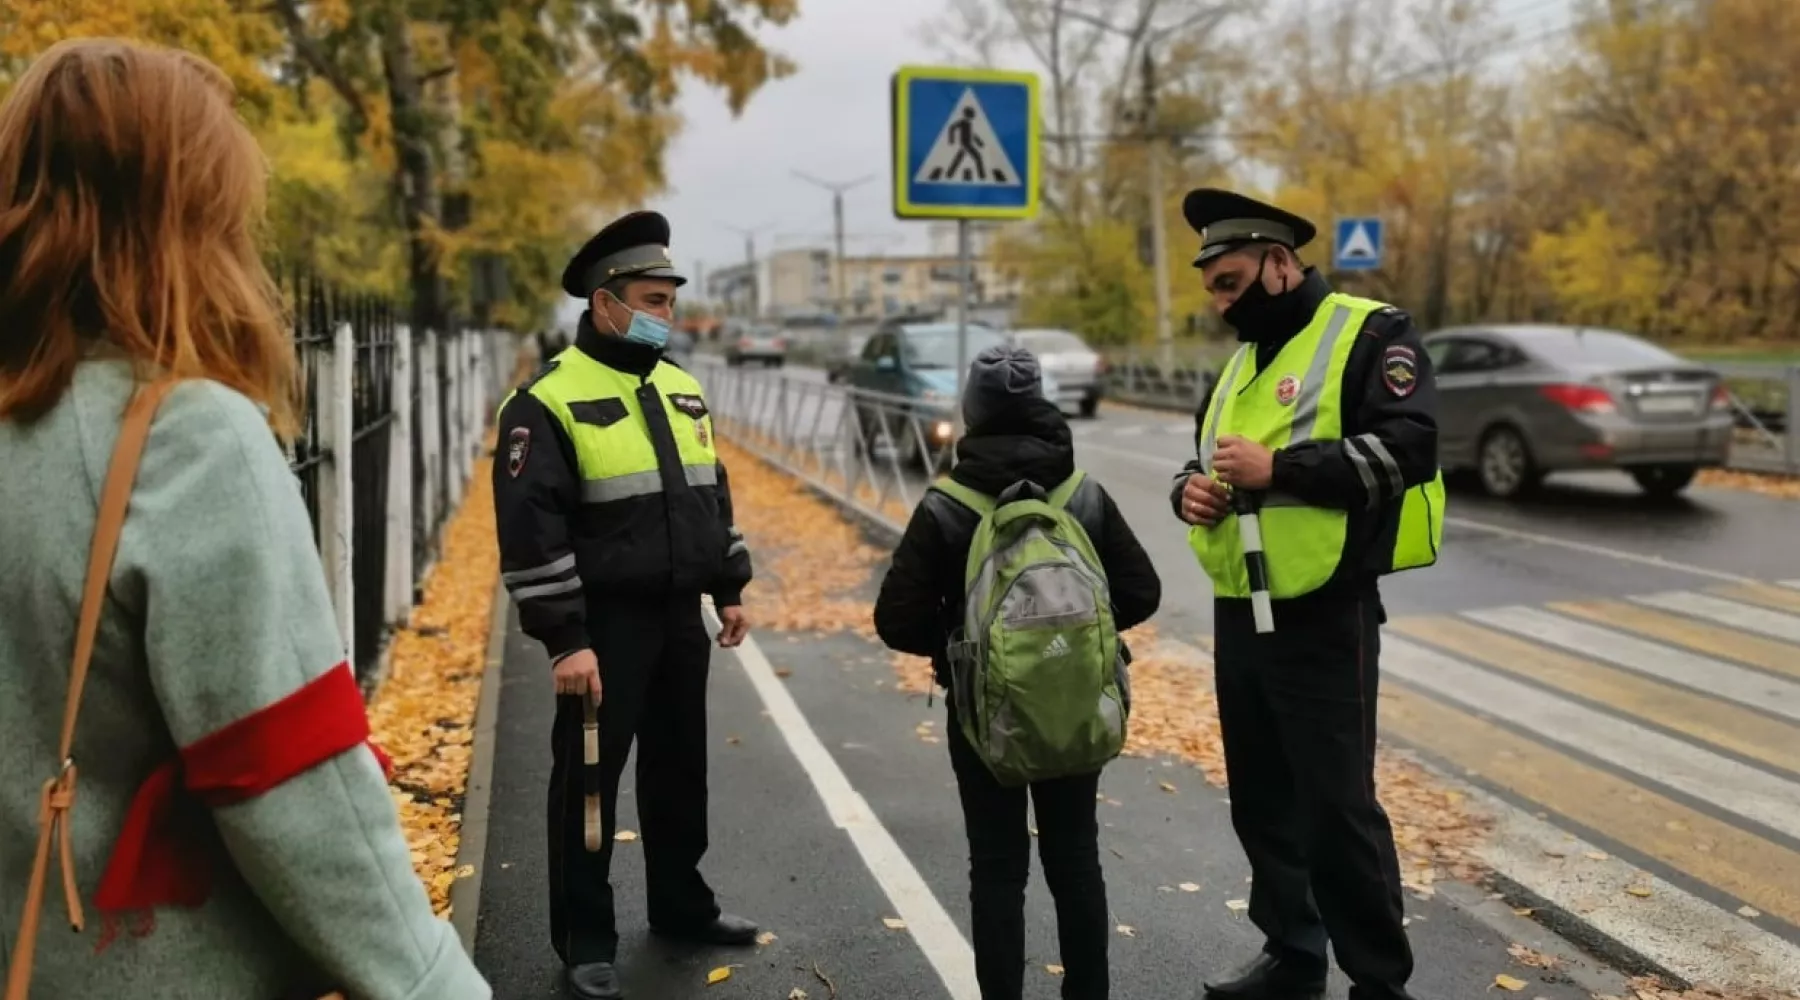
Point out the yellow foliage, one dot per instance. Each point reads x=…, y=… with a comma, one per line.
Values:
x=1596, y=275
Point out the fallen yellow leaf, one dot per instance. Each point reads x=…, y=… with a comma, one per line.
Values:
x=1127, y=930
x=765, y=937
x=1237, y=905
x=894, y=923
x=1507, y=982
x=1639, y=891
x=718, y=975
x=625, y=835
x=1165, y=786
x=1189, y=887
x=1054, y=970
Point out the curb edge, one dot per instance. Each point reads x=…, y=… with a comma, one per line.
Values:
x=465, y=893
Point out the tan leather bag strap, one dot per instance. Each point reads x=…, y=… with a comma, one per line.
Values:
x=59, y=792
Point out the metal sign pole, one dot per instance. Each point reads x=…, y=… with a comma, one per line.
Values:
x=965, y=273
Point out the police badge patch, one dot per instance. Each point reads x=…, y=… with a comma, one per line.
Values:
x=701, y=433
x=1287, y=390
x=1400, y=370
x=518, y=445
x=693, y=406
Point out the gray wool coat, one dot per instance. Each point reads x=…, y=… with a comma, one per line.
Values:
x=217, y=608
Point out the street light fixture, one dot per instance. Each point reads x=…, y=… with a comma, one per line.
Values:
x=837, y=210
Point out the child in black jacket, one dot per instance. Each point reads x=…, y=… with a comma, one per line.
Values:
x=1013, y=434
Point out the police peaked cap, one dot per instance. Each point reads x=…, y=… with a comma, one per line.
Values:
x=631, y=246
x=1227, y=220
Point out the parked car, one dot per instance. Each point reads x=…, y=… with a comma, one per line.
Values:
x=1075, y=367
x=918, y=362
x=1518, y=402
x=763, y=344
x=839, y=361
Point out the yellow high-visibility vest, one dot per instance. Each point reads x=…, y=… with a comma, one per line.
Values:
x=602, y=411
x=1297, y=398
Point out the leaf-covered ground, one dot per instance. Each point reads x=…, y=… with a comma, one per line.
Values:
x=424, y=713
x=813, y=574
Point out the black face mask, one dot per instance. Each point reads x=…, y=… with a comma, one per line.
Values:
x=1259, y=314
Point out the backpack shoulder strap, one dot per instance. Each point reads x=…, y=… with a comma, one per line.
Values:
x=1059, y=497
x=975, y=500
x=59, y=791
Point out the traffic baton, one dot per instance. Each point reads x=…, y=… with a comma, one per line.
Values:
x=1247, y=505
x=592, y=828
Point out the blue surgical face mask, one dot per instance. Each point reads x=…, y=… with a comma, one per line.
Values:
x=651, y=331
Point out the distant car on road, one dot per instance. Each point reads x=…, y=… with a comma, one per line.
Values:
x=1075, y=367
x=1518, y=402
x=763, y=344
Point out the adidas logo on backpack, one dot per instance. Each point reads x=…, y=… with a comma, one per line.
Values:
x=1035, y=669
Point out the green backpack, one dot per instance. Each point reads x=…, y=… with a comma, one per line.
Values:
x=1036, y=671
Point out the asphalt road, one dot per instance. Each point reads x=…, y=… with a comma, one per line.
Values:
x=1622, y=670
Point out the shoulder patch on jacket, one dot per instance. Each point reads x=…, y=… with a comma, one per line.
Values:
x=518, y=447
x=693, y=406
x=1399, y=370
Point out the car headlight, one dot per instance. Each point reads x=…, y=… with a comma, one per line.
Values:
x=942, y=430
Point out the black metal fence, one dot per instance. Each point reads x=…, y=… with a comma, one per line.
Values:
x=371, y=353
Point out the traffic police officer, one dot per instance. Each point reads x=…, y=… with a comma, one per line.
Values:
x=614, y=516
x=1325, y=419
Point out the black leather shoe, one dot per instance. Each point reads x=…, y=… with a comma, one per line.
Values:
x=1270, y=977
x=724, y=929
x=595, y=981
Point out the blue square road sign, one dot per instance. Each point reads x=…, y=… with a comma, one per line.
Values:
x=1359, y=245
x=966, y=143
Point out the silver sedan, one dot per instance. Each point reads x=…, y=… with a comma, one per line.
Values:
x=1518, y=402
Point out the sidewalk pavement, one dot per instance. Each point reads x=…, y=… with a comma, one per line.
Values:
x=834, y=811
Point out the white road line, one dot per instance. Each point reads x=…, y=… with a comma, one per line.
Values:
x=1169, y=466
x=1681, y=932
x=1692, y=670
x=1749, y=618
x=930, y=925
x=1734, y=787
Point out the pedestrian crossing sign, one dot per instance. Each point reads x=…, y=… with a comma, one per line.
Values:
x=1359, y=245
x=966, y=143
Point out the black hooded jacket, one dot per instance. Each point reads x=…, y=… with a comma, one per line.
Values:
x=921, y=600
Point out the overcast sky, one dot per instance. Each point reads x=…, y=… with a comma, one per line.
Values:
x=830, y=119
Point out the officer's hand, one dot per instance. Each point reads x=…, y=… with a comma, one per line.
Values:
x=1243, y=463
x=1202, y=501
x=579, y=673
x=735, y=626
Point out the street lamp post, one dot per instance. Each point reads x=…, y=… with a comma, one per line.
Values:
x=837, y=210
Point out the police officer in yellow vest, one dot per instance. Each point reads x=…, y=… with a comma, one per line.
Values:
x=614, y=517
x=1324, y=424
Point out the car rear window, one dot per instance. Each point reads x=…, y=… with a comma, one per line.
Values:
x=1599, y=347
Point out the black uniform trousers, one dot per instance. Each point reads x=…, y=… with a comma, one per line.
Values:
x=654, y=656
x=1000, y=862
x=1297, y=714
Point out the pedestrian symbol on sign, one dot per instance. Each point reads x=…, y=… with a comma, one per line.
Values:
x=967, y=151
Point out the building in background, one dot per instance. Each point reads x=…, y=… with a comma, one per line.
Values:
x=803, y=285
x=733, y=291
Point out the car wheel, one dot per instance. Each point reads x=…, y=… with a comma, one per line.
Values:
x=1504, y=465
x=1664, y=481
x=1089, y=407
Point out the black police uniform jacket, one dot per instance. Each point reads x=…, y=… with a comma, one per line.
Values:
x=558, y=553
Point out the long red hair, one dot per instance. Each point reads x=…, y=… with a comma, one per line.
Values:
x=130, y=196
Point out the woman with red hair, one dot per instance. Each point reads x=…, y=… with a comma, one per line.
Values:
x=231, y=826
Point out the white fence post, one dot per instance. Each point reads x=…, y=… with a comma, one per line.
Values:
x=453, y=421
x=398, y=583
x=430, y=431
x=336, y=511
